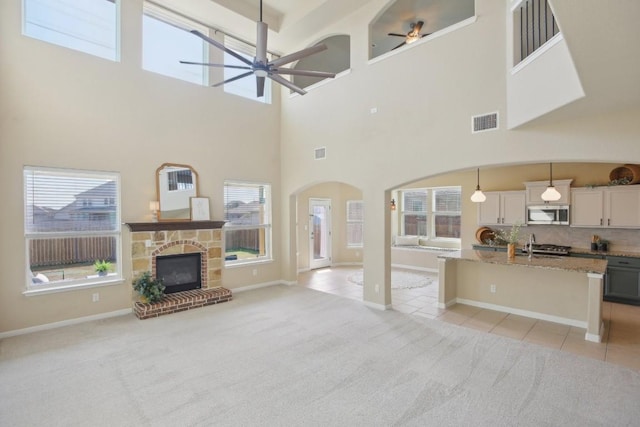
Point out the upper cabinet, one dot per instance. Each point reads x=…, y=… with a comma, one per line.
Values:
x=502, y=208
x=615, y=207
x=535, y=189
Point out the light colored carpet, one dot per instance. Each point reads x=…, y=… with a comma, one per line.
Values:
x=292, y=356
x=399, y=279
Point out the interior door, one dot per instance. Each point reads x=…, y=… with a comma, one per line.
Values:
x=319, y=233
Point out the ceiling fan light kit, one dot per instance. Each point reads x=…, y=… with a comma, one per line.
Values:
x=260, y=66
x=412, y=36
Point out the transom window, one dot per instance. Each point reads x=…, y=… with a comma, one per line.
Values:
x=432, y=213
x=89, y=26
x=166, y=41
x=71, y=221
x=247, y=210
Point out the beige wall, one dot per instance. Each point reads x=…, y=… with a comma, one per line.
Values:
x=62, y=108
x=425, y=97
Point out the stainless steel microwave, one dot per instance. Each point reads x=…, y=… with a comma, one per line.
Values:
x=548, y=214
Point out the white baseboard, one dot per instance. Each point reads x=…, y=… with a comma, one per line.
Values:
x=75, y=321
x=446, y=304
x=413, y=267
x=259, y=285
x=525, y=313
x=343, y=264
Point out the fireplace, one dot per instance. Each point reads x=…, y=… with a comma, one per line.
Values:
x=180, y=272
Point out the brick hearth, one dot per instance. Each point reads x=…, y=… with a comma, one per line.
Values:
x=182, y=301
x=153, y=239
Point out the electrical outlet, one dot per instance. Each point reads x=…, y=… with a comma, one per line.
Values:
x=148, y=243
x=255, y=271
x=493, y=289
x=377, y=289
x=357, y=253
x=95, y=297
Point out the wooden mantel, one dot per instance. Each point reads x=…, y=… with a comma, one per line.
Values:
x=174, y=225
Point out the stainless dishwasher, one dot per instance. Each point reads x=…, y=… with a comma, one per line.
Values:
x=622, y=281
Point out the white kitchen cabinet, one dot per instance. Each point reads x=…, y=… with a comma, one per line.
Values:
x=534, y=190
x=614, y=207
x=502, y=208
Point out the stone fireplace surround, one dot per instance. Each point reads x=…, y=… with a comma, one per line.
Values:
x=152, y=239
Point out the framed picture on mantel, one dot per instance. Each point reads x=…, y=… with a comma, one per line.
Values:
x=199, y=208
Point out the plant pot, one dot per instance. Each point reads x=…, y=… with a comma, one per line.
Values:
x=511, y=251
x=102, y=273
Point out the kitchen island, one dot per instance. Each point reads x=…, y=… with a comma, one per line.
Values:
x=564, y=290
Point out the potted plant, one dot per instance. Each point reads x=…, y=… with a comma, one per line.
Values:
x=510, y=238
x=102, y=267
x=149, y=288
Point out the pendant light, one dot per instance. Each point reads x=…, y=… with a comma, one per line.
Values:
x=551, y=194
x=478, y=196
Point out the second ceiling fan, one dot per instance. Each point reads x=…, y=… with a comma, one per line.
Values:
x=260, y=66
x=413, y=34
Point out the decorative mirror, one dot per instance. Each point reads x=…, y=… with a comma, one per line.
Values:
x=175, y=184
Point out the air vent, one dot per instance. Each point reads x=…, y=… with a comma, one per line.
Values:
x=321, y=153
x=484, y=123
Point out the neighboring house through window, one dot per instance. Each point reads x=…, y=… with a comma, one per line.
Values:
x=355, y=223
x=68, y=226
x=89, y=26
x=247, y=210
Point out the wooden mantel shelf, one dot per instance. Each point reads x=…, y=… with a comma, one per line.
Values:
x=174, y=225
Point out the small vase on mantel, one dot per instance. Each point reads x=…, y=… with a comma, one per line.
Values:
x=511, y=251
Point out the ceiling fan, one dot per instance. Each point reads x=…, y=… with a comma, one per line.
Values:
x=412, y=36
x=260, y=66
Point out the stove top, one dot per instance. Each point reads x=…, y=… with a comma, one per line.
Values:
x=538, y=248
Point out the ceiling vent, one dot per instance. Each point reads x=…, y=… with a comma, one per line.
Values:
x=484, y=122
x=320, y=153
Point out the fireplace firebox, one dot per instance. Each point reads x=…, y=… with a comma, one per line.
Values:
x=180, y=272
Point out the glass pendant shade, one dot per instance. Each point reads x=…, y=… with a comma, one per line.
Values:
x=478, y=196
x=551, y=194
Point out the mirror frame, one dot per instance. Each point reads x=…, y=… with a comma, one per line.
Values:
x=188, y=202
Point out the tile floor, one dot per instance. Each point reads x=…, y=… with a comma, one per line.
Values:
x=621, y=341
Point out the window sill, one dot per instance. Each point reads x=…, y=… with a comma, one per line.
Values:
x=66, y=288
x=237, y=264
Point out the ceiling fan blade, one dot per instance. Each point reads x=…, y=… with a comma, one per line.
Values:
x=397, y=35
x=303, y=73
x=287, y=83
x=261, y=43
x=298, y=55
x=260, y=86
x=208, y=64
x=222, y=47
x=233, y=79
x=425, y=35
x=401, y=44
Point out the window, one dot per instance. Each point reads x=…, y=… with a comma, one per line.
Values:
x=247, y=210
x=414, y=212
x=446, y=213
x=246, y=86
x=90, y=26
x=355, y=223
x=68, y=227
x=166, y=41
x=434, y=213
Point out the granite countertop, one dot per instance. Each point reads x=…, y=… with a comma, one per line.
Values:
x=579, y=265
x=628, y=254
